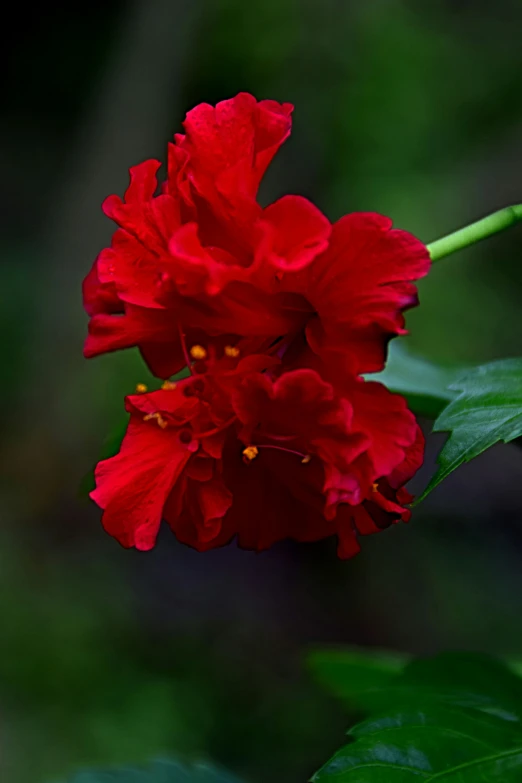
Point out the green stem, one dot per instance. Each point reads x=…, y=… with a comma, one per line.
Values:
x=482, y=229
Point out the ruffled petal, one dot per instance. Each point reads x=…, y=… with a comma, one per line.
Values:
x=197, y=518
x=230, y=146
x=133, y=264
x=153, y=330
x=133, y=486
x=197, y=270
x=292, y=233
x=360, y=288
x=384, y=418
x=411, y=463
x=99, y=297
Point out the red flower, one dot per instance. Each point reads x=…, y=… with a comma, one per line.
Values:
x=235, y=451
x=287, y=441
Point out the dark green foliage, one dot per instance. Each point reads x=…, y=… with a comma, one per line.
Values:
x=488, y=410
x=426, y=386
x=455, y=717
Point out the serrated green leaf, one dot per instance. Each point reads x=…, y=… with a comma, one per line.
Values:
x=168, y=771
x=488, y=410
x=454, y=718
x=426, y=386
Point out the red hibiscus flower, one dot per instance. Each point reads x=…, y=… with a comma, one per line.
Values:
x=235, y=450
x=275, y=434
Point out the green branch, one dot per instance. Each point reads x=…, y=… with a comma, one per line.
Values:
x=475, y=232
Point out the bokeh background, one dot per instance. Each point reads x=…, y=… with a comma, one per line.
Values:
x=410, y=108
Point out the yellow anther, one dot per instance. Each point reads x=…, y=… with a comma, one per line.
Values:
x=157, y=417
x=141, y=388
x=168, y=385
x=250, y=453
x=198, y=352
x=231, y=351
x=375, y=487
x=306, y=459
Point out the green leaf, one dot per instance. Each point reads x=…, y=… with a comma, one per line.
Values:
x=455, y=718
x=426, y=386
x=158, y=772
x=415, y=746
x=487, y=410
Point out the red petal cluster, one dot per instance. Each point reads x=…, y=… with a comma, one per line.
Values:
x=277, y=314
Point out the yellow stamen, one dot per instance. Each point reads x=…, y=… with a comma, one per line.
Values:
x=306, y=459
x=157, y=417
x=231, y=351
x=141, y=388
x=375, y=487
x=168, y=385
x=250, y=453
x=198, y=352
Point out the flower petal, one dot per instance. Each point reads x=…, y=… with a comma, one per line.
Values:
x=99, y=297
x=360, y=288
x=197, y=519
x=293, y=233
x=385, y=419
x=274, y=497
x=153, y=330
x=231, y=145
x=133, y=486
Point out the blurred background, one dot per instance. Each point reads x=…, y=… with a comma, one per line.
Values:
x=410, y=108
